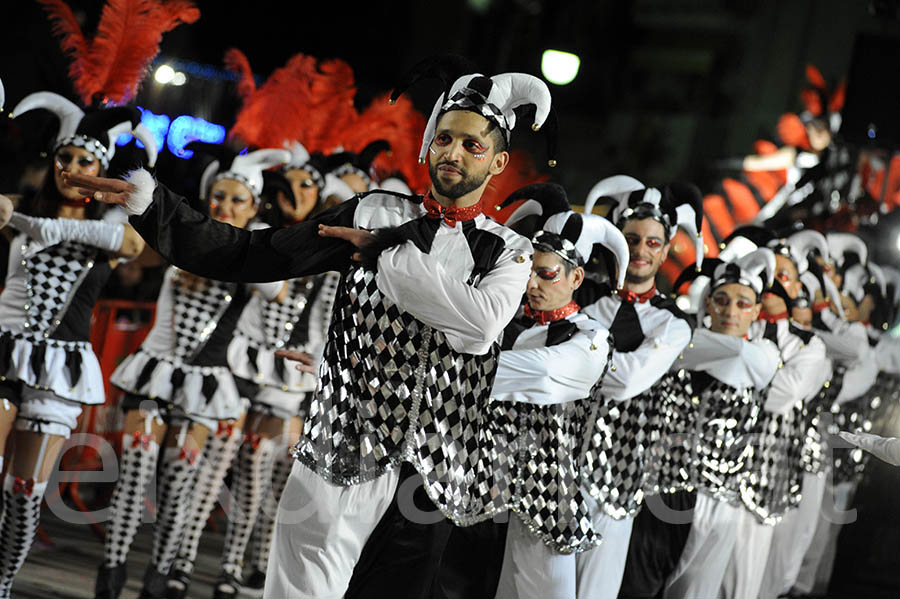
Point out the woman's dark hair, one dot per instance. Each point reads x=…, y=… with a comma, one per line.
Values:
x=46, y=201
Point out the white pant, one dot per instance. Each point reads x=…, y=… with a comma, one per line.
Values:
x=701, y=569
x=320, y=531
x=815, y=573
x=745, y=571
x=531, y=569
x=791, y=539
x=600, y=570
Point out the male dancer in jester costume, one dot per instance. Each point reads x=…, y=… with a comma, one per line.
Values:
x=649, y=333
x=412, y=349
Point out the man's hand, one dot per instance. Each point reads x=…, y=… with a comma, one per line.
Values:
x=358, y=237
x=306, y=361
x=102, y=189
x=6, y=210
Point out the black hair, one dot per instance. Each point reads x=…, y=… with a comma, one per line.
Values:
x=500, y=143
x=642, y=213
x=46, y=201
x=568, y=266
x=493, y=130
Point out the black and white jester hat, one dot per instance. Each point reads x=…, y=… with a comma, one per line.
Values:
x=95, y=130
x=798, y=247
x=609, y=190
x=569, y=235
x=846, y=249
x=246, y=168
x=341, y=163
x=673, y=205
x=495, y=98
x=815, y=281
x=860, y=281
x=573, y=236
x=301, y=159
x=755, y=270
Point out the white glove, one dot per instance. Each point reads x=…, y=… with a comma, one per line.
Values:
x=51, y=231
x=883, y=448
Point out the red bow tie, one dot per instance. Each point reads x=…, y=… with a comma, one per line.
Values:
x=189, y=454
x=20, y=485
x=637, y=298
x=548, y=316
x=772, y=318
x=226, y=429
x=253, y=439
x=820, y=306
x=141, y=440
x=451, y=215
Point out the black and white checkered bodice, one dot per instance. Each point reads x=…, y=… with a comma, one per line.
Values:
x=280, y=319
x=197, y=306
x=53, y=276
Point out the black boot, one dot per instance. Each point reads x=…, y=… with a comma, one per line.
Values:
x=178, y=583
x=154, y=584
x=110, y=582
x=227, y=586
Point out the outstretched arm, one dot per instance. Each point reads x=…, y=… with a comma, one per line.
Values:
x=193, y=241
x=554, y=374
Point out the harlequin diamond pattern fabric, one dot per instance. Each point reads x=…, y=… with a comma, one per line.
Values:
x=52, y=277
x=198, y=304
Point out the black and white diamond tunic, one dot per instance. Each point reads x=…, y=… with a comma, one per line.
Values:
x=411, y=351
x=543, y=385
x=182, y=362
x=773, y=481
x=648, y=337
x=716, y=395
x=45, y=318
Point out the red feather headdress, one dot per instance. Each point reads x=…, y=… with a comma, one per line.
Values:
x=402, y=126
x=112, y=64
x=305, y=100
x=819, y=103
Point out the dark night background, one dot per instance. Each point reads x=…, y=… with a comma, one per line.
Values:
x=666, y=89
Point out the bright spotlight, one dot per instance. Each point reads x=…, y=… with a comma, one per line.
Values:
x=164, y=74
x=560, y=67
x=179, y=78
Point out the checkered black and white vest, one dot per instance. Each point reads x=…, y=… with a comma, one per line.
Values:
x=392, y=389
x=705, y=439
x=617, y=461
x=551, y=447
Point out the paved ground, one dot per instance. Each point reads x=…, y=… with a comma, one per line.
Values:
x=66, y=570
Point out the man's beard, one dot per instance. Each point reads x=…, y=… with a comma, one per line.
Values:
x=635, y=278
x=467, y=183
